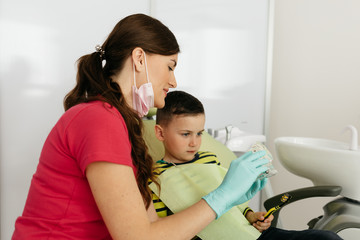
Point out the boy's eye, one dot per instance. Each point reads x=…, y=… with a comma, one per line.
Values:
x=200, y=133
x=170, y=69
x=185, y=134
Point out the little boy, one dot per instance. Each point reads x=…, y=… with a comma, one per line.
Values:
x=179, y=125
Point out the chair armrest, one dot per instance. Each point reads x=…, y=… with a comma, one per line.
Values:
x=299, y=194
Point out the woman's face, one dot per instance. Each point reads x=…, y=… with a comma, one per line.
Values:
x=161, y=73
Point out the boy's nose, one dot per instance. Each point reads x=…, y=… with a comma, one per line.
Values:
x=193, y=142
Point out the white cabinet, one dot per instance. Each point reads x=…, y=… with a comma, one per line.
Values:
x=223, y=57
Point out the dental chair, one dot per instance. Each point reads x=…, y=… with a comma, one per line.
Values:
x=333, y=169
x=339, y=214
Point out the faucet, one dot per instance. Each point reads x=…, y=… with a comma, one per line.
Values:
x=354, y=137
x=228, y=130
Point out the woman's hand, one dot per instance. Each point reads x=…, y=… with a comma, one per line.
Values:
x=239, y=184
x=257, y=220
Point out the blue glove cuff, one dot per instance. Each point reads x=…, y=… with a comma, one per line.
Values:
x=216, y=203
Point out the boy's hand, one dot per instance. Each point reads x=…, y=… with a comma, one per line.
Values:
x=256, y=218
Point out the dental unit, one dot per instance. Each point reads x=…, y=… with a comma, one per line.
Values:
x=333, y=167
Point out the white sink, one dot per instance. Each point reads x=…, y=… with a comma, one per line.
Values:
x=239, y=141
x=324, y=162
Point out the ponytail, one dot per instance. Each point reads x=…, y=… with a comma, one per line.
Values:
x=94, y=82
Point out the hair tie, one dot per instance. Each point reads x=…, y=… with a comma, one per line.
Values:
x=101, y=52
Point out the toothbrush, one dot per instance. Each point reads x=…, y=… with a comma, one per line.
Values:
x=284, y=199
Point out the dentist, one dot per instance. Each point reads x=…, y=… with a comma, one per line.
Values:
x=92, y=178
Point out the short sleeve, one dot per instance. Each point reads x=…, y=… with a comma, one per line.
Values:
x=98, y=133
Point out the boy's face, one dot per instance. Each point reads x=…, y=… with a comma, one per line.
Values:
x=181, y=137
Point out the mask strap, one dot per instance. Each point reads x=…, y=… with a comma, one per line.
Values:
x=147, y=75
x=134, y=74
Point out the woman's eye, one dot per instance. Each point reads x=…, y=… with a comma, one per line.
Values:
x=200, y=133
x=170, y=69
x=185, y=134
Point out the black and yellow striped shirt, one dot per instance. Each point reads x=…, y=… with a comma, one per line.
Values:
x=161, y=166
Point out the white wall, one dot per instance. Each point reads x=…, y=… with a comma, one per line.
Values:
x=41, y=40
x=315, y=84
x=223, y=57
x=39, y=43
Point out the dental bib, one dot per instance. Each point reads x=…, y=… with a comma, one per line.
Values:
x=184, y=185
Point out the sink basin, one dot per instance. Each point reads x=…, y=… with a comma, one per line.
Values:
x=324, y=162
x=240, y=141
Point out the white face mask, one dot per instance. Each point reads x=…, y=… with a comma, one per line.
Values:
x=143, y=98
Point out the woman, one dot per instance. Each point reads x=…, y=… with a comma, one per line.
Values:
x=92, y=178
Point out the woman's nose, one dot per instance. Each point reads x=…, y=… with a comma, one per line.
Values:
x=172, y=82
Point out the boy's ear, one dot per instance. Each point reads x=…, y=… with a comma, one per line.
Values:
x=159, y=132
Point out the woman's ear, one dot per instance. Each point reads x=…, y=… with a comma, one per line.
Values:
x=138, y=59
x=159, y=132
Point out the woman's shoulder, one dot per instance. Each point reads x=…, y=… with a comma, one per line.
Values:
x=94, y=108
x=95, y=113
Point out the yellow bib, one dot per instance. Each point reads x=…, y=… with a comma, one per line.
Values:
x=184, y=185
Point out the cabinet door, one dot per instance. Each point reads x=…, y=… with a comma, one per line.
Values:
x=223, y=56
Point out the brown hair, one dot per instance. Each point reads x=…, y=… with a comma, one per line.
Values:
x=94, y=81
x=178, y=103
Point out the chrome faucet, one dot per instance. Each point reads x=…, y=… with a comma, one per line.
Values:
x=228, y=130
x=354, y=137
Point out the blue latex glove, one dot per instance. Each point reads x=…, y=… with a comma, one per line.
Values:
x=239, y=184
x=255, y=188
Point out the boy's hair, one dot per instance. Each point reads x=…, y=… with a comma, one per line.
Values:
x=178, y=103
